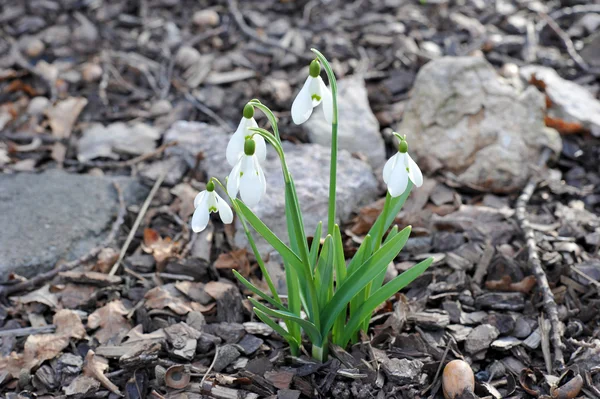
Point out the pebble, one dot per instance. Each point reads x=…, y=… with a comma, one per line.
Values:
x=91, y=72
x=204, y=18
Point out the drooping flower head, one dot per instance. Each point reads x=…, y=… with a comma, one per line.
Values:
x=235, y=147
x=207, y=202
x=313, y=93
x=247, y=176
x=399, y=168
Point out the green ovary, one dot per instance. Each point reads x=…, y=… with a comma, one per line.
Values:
x=316, y=97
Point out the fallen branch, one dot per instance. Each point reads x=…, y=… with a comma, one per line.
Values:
x=535, y=264
x=45, y=277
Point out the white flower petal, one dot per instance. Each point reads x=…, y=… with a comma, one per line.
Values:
x=398, y=179
x=302, y=106
x=211, y=200
x=414, y=172
x=327, y=100
x=199, y=198
x=235, y=147
x=316, y=88
x=263, y=181
x=224, y=210
x=251, y=189
x=389, y=166
x=201, y=215
x=233, y=181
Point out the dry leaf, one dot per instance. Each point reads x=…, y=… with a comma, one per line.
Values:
x=160, y=248
x=237, y=260
x=113, y=325
x=73, y=296
x=366, y=217
x=106, y=259
x=68, y=324
x=563, y=126
x=505, y=284
x=94, y=366
x=167, y=296
x=81, y=386
x=42, y=295
x=63, y=115
x=185, y=206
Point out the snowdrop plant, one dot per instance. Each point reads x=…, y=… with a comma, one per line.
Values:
x=329, y=300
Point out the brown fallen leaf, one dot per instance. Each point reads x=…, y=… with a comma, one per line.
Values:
x=63, y=114
x=160, y=248
x=366, y=217
x=540, y=84
x=505, y=284
x=41, y=295
x=68, y=324
x=73, y=296
x=113, y=325
x=94, y=366
x=237, y=260
x=82, y=386
x=563, y=126
x=106, y=259
x=167, y=296
x=42, y=347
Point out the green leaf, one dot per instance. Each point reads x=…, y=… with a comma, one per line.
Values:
x=339, y=258
x=324, y=272
x=381, y=295
x=391, y=234
x=310, y=329
x=258, y=292
x=314, y=246
x=270, y=237
x=359, y=279
x=276, y=327
x=396, y=205
x=361, y=255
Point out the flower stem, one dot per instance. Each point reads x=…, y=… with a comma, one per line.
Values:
x=334, y=142
x=320, y=352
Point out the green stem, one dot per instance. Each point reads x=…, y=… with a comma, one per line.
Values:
x=334, y=142
x=320, y=352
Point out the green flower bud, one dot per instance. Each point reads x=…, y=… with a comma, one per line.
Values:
x=249, y=147
x=210, y=186
x=315, y=69
x=403, y=146
x=248, y=111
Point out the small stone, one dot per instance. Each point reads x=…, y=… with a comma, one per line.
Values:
x=186, y=56
x=91, y=72
x=503, y=322
x=253, y=327
x=522, y=328
x=161, y=107
x=231, y=333
x=37, y=105
x=506, y=343
x=480, y=338
x=205, y=18
x=501, y=301
x=509, y=70
x=195, y=320
x=402, y=371
x=432, y=49
x=34, y=47
x=227, y=355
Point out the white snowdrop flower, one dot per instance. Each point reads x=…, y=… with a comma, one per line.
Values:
x=399, y=168
x=235, y=147
x=247, y=176
x=313, y=93
x=207, y=202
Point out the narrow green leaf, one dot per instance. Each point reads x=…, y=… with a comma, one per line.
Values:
x=396, y=205
x=258, y=292
x=356, y=281
x=316, y=243
x=381, y=295
x=310, y=329
x=391, y=234
x=340, y=276
x=361, y=255
x=276, y=327
x=324, y=272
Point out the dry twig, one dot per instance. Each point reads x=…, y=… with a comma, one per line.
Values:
x=535, y=264
x=44, y=277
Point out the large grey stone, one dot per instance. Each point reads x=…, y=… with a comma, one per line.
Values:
x=55, y=216
x=358, y=129
x=570, y=101
x=309, y=165
x=475, y=124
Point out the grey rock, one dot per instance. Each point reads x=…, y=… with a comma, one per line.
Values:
x=55, y=216
x=358, y=127
x=227, y=355
x=250, y=344
x=480, y=338
x=476, y=124
x=570, y=101
x=309, y=165
x=402, y=371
